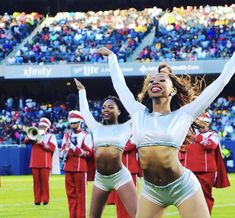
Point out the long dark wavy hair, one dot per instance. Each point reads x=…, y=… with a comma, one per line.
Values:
x=124, y=115
x=187, y=90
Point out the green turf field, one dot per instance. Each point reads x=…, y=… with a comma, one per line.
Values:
x=16, y=200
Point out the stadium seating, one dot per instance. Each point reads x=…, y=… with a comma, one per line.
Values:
x=192, y=34
x=181, y=34
x=14, y=28
x=73, y=37
x=13, y=119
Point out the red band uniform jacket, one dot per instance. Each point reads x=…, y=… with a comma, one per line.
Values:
x=41, y=152
x=203, y=155
x=77, y=154
x=203, y=158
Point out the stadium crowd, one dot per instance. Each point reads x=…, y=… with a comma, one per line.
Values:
x=189, y=33
x=223, y=118
x=28, y=112
x=74, y=37
x=14, y=28
x=192, y=34
x=184, y=33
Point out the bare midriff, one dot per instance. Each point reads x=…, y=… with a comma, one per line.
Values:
x=160, y=164
x=108, y=160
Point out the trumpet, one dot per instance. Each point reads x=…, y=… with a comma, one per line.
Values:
x=34, y=133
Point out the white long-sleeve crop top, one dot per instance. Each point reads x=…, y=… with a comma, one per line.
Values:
x=165, y=129
x=115, y=135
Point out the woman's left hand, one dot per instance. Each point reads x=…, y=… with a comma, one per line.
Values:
x=104, y=51
x=79, y=85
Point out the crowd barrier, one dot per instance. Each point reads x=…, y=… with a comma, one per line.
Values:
x=14, y=159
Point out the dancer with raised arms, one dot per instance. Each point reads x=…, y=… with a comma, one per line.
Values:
x=167, y=107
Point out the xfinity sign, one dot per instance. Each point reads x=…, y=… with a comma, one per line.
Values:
x=37, y=72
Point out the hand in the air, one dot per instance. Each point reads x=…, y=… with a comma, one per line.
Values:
x=79, y=85
x=104, y=51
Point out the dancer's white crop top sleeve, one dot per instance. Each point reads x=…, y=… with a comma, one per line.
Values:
x=84, y=108
x=119, y=84
x=196, y=107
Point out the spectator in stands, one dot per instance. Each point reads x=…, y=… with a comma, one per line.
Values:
x=44, y=160
x=203, y=157
x=160, y=124
x=110, y=138
x=228, y=158
x=77, y=146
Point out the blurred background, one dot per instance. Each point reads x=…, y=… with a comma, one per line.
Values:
x=44, y=44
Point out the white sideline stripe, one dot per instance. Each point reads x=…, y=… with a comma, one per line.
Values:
x=20, y=204
x=218, y=205
x=225, y=205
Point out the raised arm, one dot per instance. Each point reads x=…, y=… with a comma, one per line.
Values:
x=125, y=95
x=196, y=107
x=84, y=107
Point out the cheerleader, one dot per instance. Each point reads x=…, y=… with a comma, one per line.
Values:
x=161, y=119
x=110, y=138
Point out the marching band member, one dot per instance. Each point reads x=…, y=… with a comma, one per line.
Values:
x=203, y=157
x=76, y=147
x=44, y=157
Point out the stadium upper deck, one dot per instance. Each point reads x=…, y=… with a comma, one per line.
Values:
x=181, y=34
x=14, y=28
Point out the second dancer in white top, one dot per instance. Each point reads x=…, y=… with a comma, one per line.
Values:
x=110, y=138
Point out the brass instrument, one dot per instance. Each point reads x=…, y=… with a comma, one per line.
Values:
x=34, y=133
